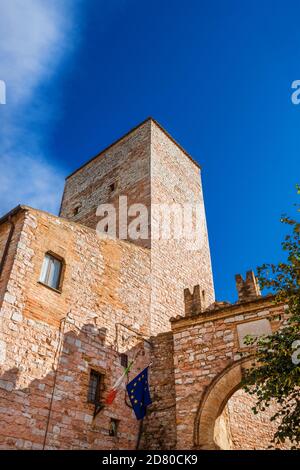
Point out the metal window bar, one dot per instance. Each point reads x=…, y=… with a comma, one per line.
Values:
x=96, y=384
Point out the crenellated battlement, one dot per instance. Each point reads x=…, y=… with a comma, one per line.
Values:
x=248, y=289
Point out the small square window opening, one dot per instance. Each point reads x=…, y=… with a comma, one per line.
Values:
x=113, y=429
x=124, y=360
x=76, y=210
x=95, y=387
x=51, y=271
x=112, y=187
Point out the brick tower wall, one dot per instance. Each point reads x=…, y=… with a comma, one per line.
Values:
x=151, y=169
x=174, y=265
x=126, y=164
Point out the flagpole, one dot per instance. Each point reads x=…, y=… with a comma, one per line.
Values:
x=139, y=434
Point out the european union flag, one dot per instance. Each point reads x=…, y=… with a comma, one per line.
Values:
x=139, y=395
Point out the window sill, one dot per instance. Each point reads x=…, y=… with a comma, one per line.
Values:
x=49, y=287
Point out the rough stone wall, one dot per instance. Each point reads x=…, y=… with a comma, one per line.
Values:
x=109, y=288
x=4, y=234
x=149, y=168
x=53, y=339
x=115, y=295
x=203, y=347
x=222, y=431
x=250, y=431
x=125, y=164
x=108, y=279
x=176, y=264
x=159, y=430
x=50, y=341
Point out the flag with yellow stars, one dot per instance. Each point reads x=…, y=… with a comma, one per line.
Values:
x=139, y=395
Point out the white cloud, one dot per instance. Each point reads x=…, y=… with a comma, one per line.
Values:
x=27, y=180
x=35, y=37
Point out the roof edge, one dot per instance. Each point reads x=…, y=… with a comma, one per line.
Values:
x=126, y=135
x=175, y=142
x=11, y=213
x=25, y=208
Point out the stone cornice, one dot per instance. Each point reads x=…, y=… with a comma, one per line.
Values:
x=228, y=311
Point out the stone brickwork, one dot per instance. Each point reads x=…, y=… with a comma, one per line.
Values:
x=150, y=168
x=10, y=247
x=53, y=339
x=192, y=302
x=176, y=264
x=118, y=296
x=250, y=431
x=126, y=165
x=248, y=289
x=209, y=359
x=160, y=424
x=209, y=362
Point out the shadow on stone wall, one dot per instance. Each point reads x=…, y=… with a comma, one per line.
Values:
x=53, y=411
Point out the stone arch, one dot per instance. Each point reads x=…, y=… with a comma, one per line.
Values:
x=213, y=402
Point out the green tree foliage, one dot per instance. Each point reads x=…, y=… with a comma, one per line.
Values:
x=275, y=373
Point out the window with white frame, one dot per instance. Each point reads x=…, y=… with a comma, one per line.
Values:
x=51, y=271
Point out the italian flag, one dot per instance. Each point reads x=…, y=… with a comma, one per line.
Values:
x=113, y=392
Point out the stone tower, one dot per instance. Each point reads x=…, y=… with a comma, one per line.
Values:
x=150, y=168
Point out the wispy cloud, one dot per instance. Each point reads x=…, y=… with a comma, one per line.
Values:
x=35, y=39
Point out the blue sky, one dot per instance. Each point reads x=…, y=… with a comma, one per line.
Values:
x=216, y=74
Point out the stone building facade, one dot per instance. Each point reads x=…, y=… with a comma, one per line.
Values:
x=146, y=299
x=209, y=356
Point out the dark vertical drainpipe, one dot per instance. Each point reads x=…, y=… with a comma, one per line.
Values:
x=7, y=244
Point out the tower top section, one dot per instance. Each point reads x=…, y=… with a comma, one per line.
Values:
x=149, y=119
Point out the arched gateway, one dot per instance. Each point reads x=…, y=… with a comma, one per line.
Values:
x=213, y=402
x=199, y=365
